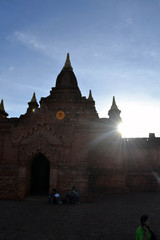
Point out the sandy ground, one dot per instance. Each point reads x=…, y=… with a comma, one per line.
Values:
x=113, y=217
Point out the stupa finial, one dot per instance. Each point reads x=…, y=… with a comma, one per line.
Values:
x=34, y=98
x=114, y=105
x=2, y=106
x=90, y=96
x=2, y=110
x=67, y=62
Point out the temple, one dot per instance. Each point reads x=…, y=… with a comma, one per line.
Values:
x=62, y=142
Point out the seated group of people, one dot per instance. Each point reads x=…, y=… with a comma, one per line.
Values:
x=72, y=197
x=54, y=197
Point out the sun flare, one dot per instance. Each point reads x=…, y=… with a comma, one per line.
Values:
x=132, y=130
x=127, y=130
x=139, y=123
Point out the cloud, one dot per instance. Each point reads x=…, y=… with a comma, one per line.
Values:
x=125, y=24
x=151, y=53
x=52, y=48
x=128, y=22
x=11, y=68
x=20, y=86
x=30, y=41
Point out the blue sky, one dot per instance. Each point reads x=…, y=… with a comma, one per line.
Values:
x=114, y=49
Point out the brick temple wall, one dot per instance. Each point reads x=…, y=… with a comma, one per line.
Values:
x=79, y=154
x=125, y=165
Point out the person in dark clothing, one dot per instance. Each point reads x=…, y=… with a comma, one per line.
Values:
x=54, y=197
x=73, y=196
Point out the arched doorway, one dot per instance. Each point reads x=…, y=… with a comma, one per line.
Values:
x=40, y=171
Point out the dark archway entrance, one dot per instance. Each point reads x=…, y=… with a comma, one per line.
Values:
x=40, y=171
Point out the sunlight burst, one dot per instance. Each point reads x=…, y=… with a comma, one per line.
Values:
x=127, y=130
x=139, y=123
x=133, y=129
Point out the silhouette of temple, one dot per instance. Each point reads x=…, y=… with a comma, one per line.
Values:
x=63, y=142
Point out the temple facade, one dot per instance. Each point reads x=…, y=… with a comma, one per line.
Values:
x=61, y=142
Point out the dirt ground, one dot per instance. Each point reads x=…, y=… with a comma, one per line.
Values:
x=113, y=217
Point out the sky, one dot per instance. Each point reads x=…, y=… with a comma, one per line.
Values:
x=114, y=50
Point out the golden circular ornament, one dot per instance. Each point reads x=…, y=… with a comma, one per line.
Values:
x=60, y=115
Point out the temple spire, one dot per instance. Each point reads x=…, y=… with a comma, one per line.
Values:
x=3, y=113
x=114, y=105
x=114, y=112
x=33, y=105
x=34, y=98
x=90, y=96
x=2, y=106
x=67, y=63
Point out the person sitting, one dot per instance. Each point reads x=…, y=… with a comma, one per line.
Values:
x=54, y=197
x=73, y=196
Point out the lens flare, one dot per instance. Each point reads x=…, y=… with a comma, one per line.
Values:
x=60, y=115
